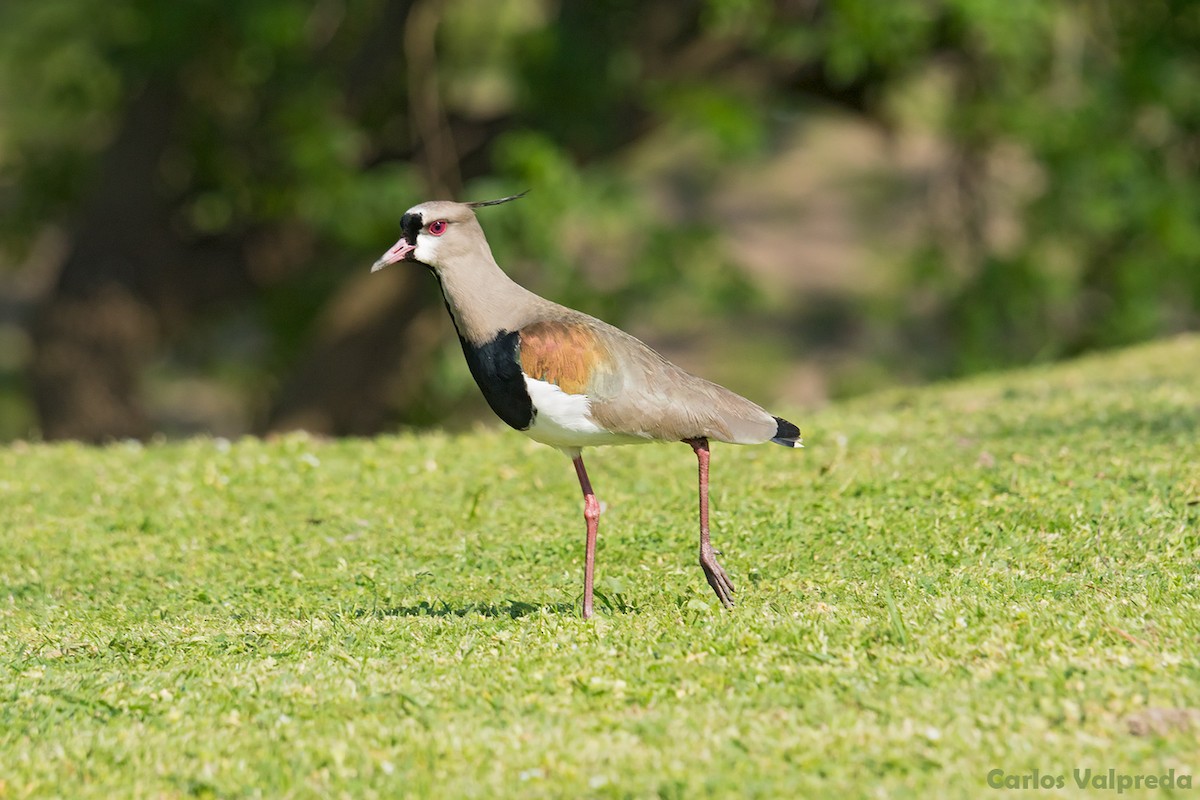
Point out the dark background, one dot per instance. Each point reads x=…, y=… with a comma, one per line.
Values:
x=803, y=198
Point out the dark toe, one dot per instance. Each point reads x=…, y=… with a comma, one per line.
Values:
x=717, y=579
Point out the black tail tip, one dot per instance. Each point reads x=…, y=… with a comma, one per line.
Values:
x=786, y=434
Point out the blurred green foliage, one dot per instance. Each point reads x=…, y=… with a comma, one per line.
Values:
x=1104, y=100
x=311, y=127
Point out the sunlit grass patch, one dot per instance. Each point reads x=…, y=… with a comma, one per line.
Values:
x=995, y=574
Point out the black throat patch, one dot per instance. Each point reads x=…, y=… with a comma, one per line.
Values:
x=496, y=367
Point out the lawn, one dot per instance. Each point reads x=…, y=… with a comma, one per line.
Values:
x=996, y=574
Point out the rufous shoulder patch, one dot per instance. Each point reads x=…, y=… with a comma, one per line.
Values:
x=562, y=353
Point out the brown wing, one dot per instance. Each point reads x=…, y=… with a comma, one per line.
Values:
x=567, y=354
x=633, y=390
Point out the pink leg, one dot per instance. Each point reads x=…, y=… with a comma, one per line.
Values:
x=716, y=576
x=591, y=513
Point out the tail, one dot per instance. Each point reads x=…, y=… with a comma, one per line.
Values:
x=786, y=434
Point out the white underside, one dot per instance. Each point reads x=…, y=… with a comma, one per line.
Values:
x=563, y=420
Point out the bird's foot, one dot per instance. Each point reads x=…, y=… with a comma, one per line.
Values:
x=716, y=576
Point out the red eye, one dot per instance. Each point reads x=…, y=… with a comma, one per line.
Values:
x=437, y=227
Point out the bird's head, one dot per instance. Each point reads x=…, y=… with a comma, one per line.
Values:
x=438, y=233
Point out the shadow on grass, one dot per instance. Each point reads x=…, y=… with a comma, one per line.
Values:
x=513, y=609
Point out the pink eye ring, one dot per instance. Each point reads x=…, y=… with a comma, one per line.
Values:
x=437, y=227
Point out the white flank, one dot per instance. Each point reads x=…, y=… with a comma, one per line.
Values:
x=563, y=420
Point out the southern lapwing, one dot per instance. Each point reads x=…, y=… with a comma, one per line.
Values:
x=569, y=380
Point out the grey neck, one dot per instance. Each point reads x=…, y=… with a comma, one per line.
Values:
x=484, y=301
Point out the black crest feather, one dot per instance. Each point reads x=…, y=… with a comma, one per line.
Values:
x=482, y=203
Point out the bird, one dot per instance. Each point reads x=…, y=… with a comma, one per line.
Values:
x=569, y=380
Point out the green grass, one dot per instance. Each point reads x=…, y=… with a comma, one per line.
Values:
x=995, y=574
